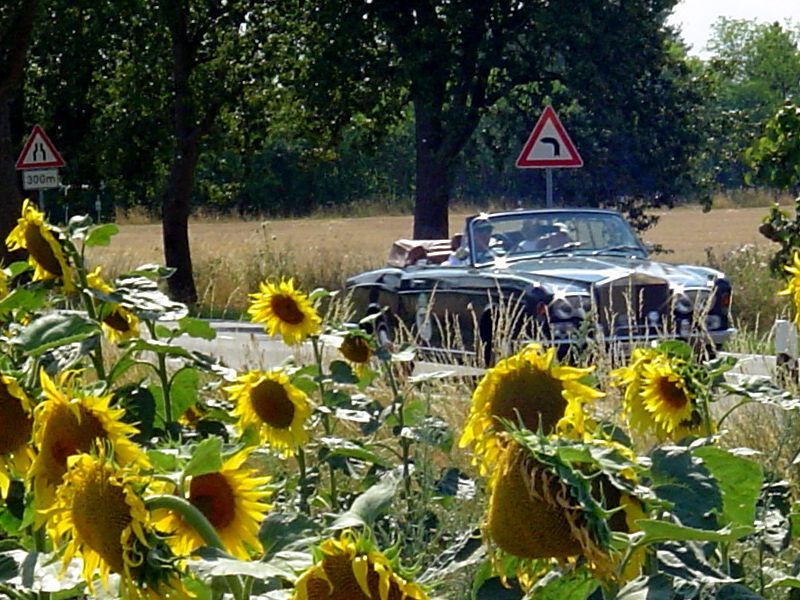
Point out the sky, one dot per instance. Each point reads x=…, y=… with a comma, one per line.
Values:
x=695, y=17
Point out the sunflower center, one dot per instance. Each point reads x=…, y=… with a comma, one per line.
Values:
x=101, y=514
x=15, y=422
x=212, y=495
x=272, y=404
x=65, y=435
x=673, y=395
x=355, y=349
x=344, y=585
x=531, y=395
x=41, y=251
x=286, y=309
x=117, y=322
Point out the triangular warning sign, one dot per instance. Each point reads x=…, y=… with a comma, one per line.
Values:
x=39, y=152
x=549, y=146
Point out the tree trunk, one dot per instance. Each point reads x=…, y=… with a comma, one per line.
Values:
x=176, y=204
x=433, y=177
x=13, y=56
x=10, y=196
x=175, y=222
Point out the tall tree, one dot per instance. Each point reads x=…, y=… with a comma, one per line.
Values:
x=456, y=58
x=16, y=25
x=184, y=64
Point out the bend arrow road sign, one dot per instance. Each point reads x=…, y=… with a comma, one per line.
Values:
x=39, y=152
x=549, y=145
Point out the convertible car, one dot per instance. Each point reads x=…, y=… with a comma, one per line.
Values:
x=563, y=277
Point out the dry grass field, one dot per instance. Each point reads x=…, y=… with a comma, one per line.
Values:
x=230, y=257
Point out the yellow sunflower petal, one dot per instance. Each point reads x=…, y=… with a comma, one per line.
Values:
x=67, y=423
x=530, y=389
x=284, y=311
x=45, y=253
x=233, y=499
x=277, y=409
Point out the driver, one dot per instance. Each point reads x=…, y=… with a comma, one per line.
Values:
x=481, y=230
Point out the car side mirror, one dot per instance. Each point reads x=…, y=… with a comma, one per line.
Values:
x=650, y=247
x=462, y=253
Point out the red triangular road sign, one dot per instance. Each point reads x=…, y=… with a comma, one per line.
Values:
x=39, y=152
x=549, y=145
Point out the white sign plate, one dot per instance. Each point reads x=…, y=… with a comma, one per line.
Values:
x=40, y=179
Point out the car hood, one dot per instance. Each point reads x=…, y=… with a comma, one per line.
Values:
x=583, y=271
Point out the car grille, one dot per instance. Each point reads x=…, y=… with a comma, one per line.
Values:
x=632, y=306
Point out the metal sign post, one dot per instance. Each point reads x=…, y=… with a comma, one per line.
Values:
x=549, y=178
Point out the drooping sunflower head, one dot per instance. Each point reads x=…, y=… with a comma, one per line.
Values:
x=351, y=568
x=545, y=507
x=16, y=425
x=526, y=388
x=234, y=501
x=100, y=516
x=356, y=347
x=531, y=513
x=276, y=408
x=45, y=252
x=119, y=323
x=793, y=285
x=284, y=311
x=668, y=399
x=68, y=422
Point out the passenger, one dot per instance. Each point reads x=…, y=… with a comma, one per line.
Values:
x=532, y=234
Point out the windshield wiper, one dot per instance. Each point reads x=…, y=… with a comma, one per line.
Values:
x=562, y=248
x=616, y=248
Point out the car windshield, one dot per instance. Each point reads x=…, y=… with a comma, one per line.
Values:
x=546, y=233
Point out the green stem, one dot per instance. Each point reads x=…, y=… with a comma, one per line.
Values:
x=163, y=376
x=398, y=404
x=303, y=483
x=707, y=422
x=88, y=304
x=326, y=420
x=731, y=410
x=191, y=515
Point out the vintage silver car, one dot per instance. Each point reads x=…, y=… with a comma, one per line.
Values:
x=565, y=277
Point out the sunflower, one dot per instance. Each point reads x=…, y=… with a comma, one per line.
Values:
x=667, y=398
x=234, y=502
x=526, y=387
x=119, y=323
x=45, y=252
x=16, y=424
x=630, y=377
x=65, y=425
x=102, y=519
x=352, y=569
x=793, y=285
x=271, y=404
x=356, y=348
x=284, y=311
x=531, y=513
x=535, y=514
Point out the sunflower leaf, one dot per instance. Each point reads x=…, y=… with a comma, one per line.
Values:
x=206, y=458
x=369, y=505
x=659, y=531
x=739, y=480
x=55, y=329
x=183, y=390
x=657, y=587
x=197, y=328
x=101, y=235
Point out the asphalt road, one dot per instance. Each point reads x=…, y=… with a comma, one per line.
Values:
x=244, y=346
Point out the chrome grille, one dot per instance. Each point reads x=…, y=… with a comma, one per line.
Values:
x=634, y=305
